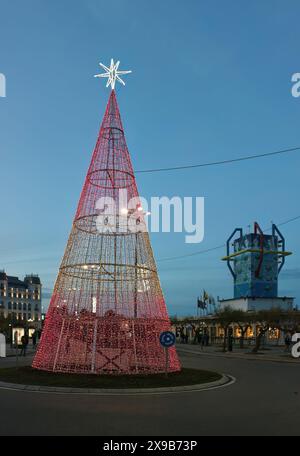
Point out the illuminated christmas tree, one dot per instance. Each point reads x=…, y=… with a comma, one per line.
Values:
x=107, y=309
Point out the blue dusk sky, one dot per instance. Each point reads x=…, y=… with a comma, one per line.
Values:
x=211, y=80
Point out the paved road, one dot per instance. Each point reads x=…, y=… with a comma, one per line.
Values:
x=265, y=400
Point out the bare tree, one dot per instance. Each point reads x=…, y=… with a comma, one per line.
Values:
x=267, y=319
x=225, y=317
x=244, y=321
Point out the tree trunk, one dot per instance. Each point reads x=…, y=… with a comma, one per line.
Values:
x=243, y=333
x=225, y=338
x=242, y=338
x=258, y=341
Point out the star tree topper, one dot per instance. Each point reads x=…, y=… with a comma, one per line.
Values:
x=112, y=73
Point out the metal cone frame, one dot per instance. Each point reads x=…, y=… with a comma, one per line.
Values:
x=107, y=309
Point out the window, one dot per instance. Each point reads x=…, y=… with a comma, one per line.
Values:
x=24, y=305
x=9, y=306
x=249, y=332
x=237, y=331
x=15, y=306
x=29, y=306
x=220, y=331
x=20, y=306
x=273, y=334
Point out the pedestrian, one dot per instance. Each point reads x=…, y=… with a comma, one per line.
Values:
x=196, y=335
x=186, y=335
x=34, y=338
x=287, y=341
x=24, y=342
x=189, y=332
x=182, y=336
x=206, y=338
x=230, y=339
x=16, y=339
x=200, y=335
x=202, y=341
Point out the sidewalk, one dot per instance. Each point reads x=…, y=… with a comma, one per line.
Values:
x=12, y=361
x=275, y=354
x=12, y=351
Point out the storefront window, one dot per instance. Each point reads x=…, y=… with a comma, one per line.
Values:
x=273, y=334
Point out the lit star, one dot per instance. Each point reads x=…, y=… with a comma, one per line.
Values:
x=112, y=74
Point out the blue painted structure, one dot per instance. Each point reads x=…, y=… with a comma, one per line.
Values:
x=255, y=262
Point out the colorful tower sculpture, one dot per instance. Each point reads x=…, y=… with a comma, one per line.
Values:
x=107, y=309
x=255, y=262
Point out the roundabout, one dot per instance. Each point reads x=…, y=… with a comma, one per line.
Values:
x=262, y=390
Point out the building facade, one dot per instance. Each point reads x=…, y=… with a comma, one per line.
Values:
x=255, y=261
x=21, y=300
x=285, y=303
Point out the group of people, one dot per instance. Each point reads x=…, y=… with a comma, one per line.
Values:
x=25, y=342
x=191, y=334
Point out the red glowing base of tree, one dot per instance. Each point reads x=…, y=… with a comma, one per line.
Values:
x=107, y=309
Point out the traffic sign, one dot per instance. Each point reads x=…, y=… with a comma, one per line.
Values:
x=167, y=339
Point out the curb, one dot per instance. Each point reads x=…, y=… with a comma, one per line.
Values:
x=225, y=380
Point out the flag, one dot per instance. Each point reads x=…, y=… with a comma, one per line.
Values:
x=201, y=304
x=205, y=296
x=211, y=300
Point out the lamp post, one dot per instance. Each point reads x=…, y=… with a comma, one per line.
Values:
x=11, y=335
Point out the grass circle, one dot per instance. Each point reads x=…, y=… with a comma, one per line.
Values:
x=26, y=375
